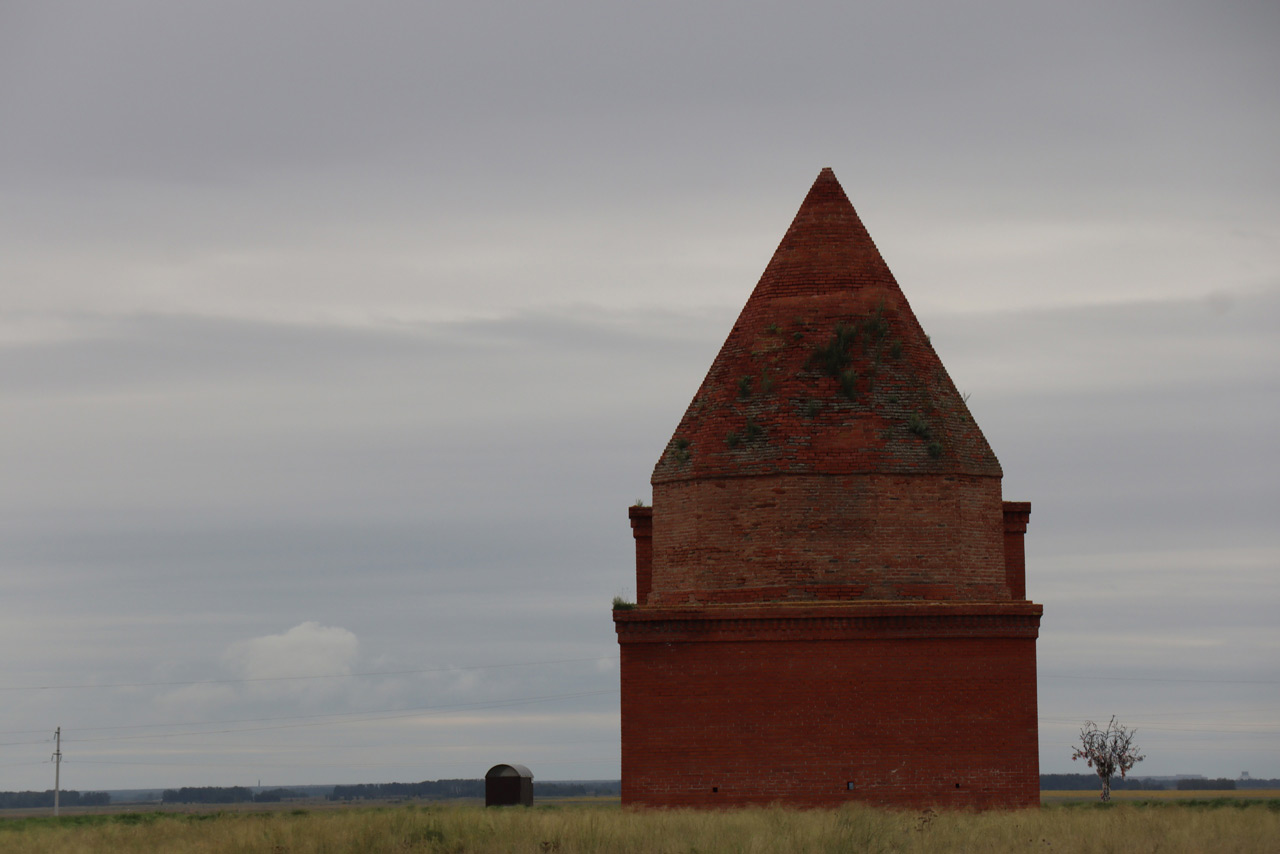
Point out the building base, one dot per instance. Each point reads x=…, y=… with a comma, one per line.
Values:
x=907, y=704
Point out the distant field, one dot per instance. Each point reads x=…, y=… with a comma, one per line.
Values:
x=1052, y=797
x=1171, y=826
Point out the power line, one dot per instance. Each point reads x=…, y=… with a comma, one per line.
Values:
x=463, y=668
x=177, y=683
x=1215, y=729
x=1200, y=712
x=1163, y=679
x=183, y=762
x=248, y=720
x=17, y=743
x=357, y=717
x=57, y=770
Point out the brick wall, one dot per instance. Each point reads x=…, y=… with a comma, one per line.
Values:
x=876, y=536
x=931, y=710
x=642, y=532
x=1016, y=516
x=831, y=591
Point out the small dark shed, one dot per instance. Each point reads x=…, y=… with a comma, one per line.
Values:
x=508, y=785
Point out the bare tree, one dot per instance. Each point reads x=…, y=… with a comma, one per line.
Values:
x=1107, y=751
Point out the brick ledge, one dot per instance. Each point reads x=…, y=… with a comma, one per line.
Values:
x=834, y=621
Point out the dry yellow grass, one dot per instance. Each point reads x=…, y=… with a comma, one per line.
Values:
x=1123, y=829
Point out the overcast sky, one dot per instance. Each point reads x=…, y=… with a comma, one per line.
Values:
x=336, y=339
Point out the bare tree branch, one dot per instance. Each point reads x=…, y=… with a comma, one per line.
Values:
x=1107, y=751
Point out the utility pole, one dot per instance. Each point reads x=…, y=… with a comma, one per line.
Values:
x=57, y=767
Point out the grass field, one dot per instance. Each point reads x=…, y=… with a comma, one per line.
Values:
x=1168, y=826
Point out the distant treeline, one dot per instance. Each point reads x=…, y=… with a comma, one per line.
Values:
x=68, y=798
x=1075, y=782
x=226, y=795
x=1219, y=784
x=578, y=790
x=1273, y=783
x=427, y=789
x=443, y=789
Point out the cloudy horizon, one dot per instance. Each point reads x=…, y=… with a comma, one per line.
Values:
x=337, y=341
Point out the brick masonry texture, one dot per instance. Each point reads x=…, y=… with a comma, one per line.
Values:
x=826, y=370
x=831, y=597
x=876, y=536
x=911, y=713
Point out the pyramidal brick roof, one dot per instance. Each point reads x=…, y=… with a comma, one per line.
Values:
x=826, y=370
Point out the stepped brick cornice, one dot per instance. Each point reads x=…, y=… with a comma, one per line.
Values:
x=831, y=621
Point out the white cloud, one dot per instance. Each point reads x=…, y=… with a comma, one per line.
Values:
x=306, y=650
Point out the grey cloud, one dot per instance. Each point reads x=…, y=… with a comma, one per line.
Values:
x=378, y=318
x=227, y=92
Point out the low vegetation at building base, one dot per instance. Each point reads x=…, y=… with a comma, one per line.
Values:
x=1134, y=829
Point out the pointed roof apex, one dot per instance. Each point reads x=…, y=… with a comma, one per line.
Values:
x=826, y=249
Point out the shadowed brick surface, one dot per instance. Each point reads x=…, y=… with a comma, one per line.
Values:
x=912, y=709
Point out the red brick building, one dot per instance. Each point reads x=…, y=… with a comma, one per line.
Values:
x=830, y=589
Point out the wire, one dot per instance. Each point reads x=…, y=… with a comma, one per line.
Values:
x=1164, y=679
x=1191, y=728
x=440, y=669
x=1186, y=712
x=257, y=764
x=240, y=720
x=355, y=717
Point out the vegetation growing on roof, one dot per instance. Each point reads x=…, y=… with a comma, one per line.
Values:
x=751, y=431
x=919, y=427
x=832, y=358
x=875, y=325
x=863, y=338
x=849, y=383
